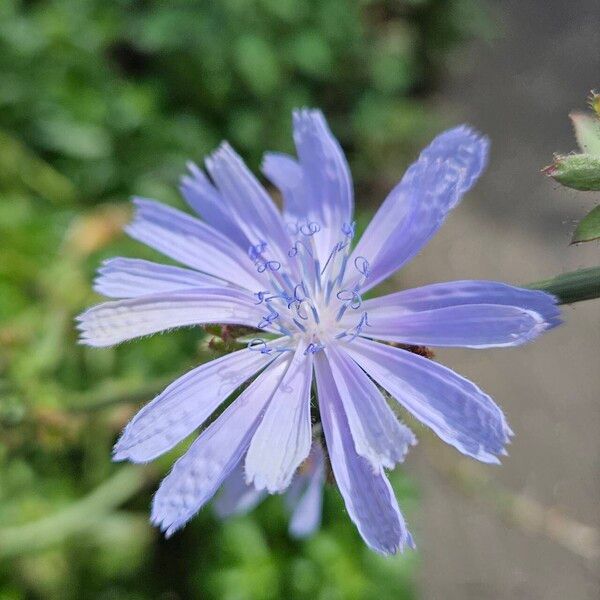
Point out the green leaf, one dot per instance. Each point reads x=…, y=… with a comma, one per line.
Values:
x=587, y=132
x=577, y=171
x=588, y=228
x=258, y=64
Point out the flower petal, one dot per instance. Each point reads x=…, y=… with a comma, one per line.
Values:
x=133, y=277
x=285, y=173
x=308, y=506
x=236, y=496
x=455, y=408
x=368, y=496
x=192, y=243
x=248, y=202
x=459, y=293
x=283, y=438
x=416, y=208
x=185, y=405
x=328, y=194
x=469, y=325
x=203, y=197
x=378, y=435
x=114, y=322
x=197, y=475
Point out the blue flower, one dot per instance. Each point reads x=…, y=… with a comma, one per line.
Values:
x=304, y=496
x=295, y=278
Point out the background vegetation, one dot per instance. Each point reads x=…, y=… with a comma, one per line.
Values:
x=100, y=100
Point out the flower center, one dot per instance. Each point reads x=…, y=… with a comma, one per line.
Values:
x=306, y=297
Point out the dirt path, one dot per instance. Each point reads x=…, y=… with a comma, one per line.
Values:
x=516, y=227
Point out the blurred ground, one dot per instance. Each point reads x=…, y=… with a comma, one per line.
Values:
x=516, y=227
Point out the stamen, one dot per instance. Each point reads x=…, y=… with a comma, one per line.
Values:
x=255, y=250
x=349, y=229
x=261, y=296
x=335, y=250
x=302, y=288
x=341, y=312
x=293, y=251
x=259, y=345
x=315, y=314
x=313, y=348
x=351, y=296
x=310, y=228
x=362, y=265
x=303, y=316
x=271, y=265
x=299, y=325
x=268, y=319
x=356, y=331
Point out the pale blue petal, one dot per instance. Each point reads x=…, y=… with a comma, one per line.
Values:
x=416, y=208
x=197, y=475
x=115, y=322
x=185, y=405
x=457, y=293
x=368, y=496
x=283, y=438
x=328, y=192
x=285, y=173
x=133, y=277
x=236, y=497
x=455, y=408
x=192, y=243
x=378, y=435
x=307, y=508
x=469, y=326
x=204, y=198
x=254, y=211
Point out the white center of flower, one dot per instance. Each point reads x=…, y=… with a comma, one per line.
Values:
x=307, y=300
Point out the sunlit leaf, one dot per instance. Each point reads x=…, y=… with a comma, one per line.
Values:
x=587, y=132
x=588, y=228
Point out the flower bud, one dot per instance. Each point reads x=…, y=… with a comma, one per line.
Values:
x=577, y=171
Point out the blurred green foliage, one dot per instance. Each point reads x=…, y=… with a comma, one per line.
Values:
x=100, y=100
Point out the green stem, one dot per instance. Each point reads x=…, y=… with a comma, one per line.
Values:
x=75, y=518
x=572, y=287
x=116, y=392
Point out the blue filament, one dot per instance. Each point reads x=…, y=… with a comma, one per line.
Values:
x=309, y=228
x=313, y=348
x=362, y=265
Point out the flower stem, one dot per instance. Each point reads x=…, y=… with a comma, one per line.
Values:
x=572, y=287
x=75, y=518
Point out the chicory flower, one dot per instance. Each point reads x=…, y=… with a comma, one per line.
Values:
x=295, y=277
x=303, y=497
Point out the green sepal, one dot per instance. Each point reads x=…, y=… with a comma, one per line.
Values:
x=588, y=228
x=577, y=171
x=587, y=132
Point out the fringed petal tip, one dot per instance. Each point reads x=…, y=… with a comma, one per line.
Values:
x=404, y=543
x=468, y=131
x=224, y=151
x=544, y=318
x=168, y=522
x=549, y=308
x=167, y=528
x=306, y=115
x=122, y=450
x=493, y=457
x=470, y=135
x=120, y=456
